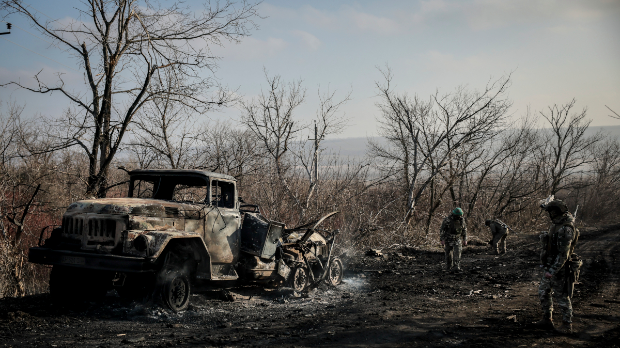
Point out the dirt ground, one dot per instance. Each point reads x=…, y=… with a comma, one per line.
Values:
x=402, y=299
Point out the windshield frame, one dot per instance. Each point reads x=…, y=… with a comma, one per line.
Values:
x=163, y=185
x=171, y=180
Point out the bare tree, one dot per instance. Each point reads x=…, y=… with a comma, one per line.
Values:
x=223, y=148
x=271, y=118
x=419, y=133
x=9, y=135
x=328, y=122
x=21, y=177
x=566, y=144
x=600, y=198
x=615, y=114
x=508, y=179
x=165, y=130
x=123, y=47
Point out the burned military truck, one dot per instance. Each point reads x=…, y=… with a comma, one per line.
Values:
x=177, y=228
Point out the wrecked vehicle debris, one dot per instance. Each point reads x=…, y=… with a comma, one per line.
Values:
x=177, y=227
x=374, y=252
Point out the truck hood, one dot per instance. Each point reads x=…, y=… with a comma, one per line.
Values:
x=134, y=206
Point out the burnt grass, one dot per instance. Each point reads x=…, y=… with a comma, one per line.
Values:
x=402, y=298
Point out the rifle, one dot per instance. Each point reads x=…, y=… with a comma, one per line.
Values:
x=508, y=227
x=575, y=214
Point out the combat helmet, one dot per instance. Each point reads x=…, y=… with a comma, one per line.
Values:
x=457, y=212
x=556, y=204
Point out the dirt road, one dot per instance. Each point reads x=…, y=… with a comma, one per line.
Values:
x=404, y=299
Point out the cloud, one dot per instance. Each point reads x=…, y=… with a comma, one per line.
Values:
x=429, y=9
x=251, y=48
x=490, y=14
x=478, y=15
x=319, y=19
x=369, y=23
x=277, y=13
x=448, y=63
x=309, y=40
x=445, y=70
x=346, y=18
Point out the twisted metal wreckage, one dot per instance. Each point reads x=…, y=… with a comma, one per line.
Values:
x=177, y=227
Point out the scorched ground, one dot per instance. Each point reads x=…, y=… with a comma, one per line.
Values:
x=401, y=299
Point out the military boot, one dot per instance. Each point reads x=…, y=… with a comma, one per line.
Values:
x=566, y=328
x=545, y=323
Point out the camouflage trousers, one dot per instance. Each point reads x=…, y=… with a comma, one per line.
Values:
x=499, y=243
x=555, y=286
x=453, y=249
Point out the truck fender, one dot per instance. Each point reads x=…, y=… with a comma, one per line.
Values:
x=165, y=241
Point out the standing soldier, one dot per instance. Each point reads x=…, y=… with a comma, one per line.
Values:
x=499, y=230
x=453, y=236
x=559, y=270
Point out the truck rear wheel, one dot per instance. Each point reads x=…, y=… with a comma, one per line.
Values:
x=174, y=289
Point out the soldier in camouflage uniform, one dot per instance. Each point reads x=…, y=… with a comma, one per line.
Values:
x=559, y=274
x=499, y=230
x=453, y=236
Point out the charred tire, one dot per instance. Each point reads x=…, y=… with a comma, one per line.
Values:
x=335, y=272
x=174, y=289
x=299, y=279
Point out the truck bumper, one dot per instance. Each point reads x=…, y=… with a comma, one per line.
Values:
x=77, y=259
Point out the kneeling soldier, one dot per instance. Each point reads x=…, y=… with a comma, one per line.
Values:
x=499, y=230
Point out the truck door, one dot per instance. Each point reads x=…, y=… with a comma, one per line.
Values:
x=222, y=225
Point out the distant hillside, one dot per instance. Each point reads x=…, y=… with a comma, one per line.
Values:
x=356, y=147
x=611, y=130
x=349, y=147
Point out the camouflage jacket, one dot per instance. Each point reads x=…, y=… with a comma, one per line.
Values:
x=558, y=243
x=498, y=227
x=452, y=229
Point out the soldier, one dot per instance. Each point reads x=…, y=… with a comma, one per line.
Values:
x=559, y=271
x=453, y=236
x=499, y=230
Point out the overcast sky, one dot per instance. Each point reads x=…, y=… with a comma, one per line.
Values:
x=556, y=50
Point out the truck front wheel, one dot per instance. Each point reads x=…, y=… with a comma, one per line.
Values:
x=175, y=289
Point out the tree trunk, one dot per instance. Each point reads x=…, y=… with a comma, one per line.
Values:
x=19, y=289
